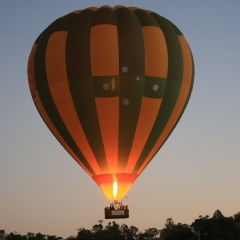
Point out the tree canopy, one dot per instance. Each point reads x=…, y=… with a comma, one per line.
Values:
x=218, y=227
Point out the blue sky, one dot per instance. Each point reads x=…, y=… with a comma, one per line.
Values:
x=195, y=172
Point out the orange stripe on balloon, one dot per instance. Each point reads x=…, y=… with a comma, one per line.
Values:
x=108, y=116
x=104, y=50
x=146, y=121
x=181, y=102
x=156, y=52
x=58, y=84
x=41, y=109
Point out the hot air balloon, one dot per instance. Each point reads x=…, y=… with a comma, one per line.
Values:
x=111, y=83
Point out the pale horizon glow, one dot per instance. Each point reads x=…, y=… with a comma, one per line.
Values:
x=196, y=171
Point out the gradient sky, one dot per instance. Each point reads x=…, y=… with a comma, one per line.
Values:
x=197, y=170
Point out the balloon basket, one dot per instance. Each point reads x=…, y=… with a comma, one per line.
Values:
x=116, y=210
x=112, y=214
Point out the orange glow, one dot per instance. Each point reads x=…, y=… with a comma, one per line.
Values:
x=122, y=190
x=115, y=189
x=104, y=50
x=115, y=186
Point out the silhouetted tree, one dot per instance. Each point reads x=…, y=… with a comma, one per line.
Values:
x=113, y=231
x=134, y=231
x=84, y=234
x=2, y=234
x=236, y=217
x=141, y=236
x=15, y=236
x=204, y=228
x=71, y=238
x=53, y=237
x=40, y=236
x=216, y=228
x=217, y=214
x=177, y=231
x=150, y=233
x=30, y=236
x=129, y=233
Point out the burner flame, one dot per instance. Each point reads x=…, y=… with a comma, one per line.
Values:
x=115, y=189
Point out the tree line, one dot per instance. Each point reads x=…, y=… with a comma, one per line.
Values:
x=218, y=227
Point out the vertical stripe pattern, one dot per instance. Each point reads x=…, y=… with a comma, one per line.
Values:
x=111, y=85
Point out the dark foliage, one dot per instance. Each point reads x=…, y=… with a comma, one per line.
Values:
x=218, y=227
x=204, y=228
x=177, y=231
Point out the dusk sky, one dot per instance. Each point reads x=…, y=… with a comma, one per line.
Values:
x=196, y=172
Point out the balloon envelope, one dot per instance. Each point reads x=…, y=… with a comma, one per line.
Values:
x=111, y=85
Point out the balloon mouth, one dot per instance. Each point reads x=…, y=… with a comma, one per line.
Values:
x=115, y=190
x=115, y=185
